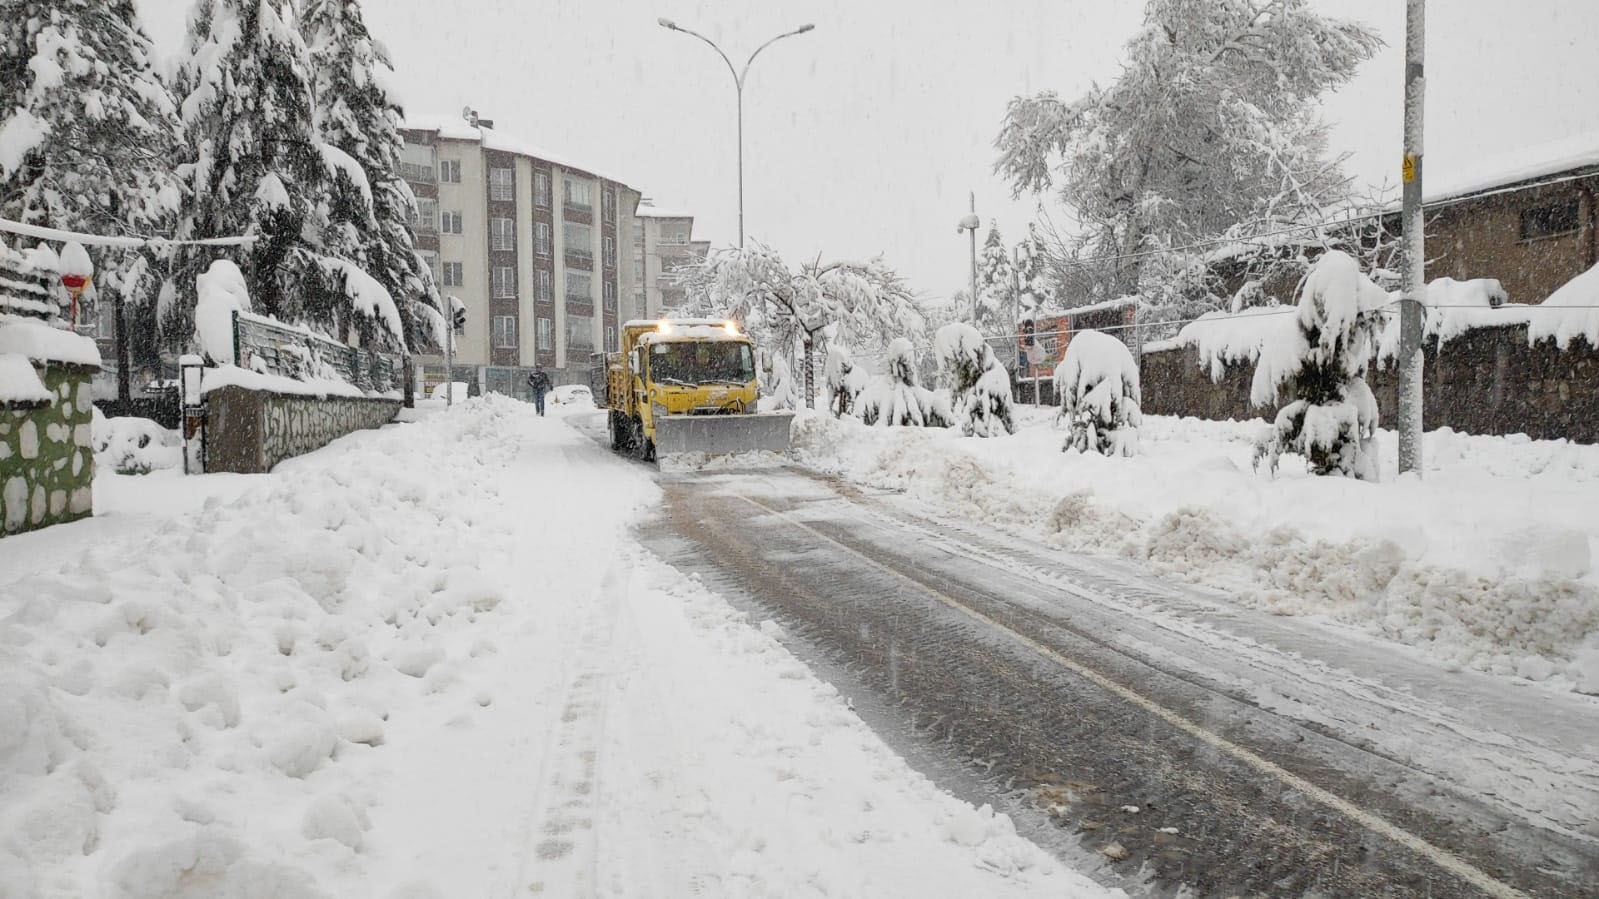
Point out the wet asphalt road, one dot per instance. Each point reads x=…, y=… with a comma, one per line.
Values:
x=1008, y=688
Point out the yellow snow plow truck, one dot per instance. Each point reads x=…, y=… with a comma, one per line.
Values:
x=686, y=386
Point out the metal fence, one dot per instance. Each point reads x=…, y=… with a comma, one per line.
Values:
x=266, y=346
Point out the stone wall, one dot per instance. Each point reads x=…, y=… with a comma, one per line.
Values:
x=47, y=455
x=1485, y=381
x=250, y=431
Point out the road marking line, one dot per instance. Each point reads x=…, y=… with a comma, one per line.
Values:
x=1439, y=856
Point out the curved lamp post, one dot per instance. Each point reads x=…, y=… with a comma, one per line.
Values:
x=738, y=84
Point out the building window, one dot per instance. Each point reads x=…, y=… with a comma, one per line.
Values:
x=546, y=335
x=544, y=285
x=427, y=214
x=579, y=240
x=577, y=288
x=674, y=235
x=610, y=251
x=610, y=295
x=502, y=184
x=610, y=340
x=541, y=189
x=608, y=199
x=450, y=222
x=450, y=171
x=638, y=270
x=1550, y=221
x=502, y=234
x=579, y=332
x=454, y=274
x=542, y=238
x=577, y=193
x=505, y=332
x=504, y=282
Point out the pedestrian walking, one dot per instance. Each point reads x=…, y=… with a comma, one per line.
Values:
x=539, y=383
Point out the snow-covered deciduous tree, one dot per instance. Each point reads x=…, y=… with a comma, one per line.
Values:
x=371, y=204
x=1097, y=382
x=87, y=131
x=1211, y=123
x=862, y=303
x=844, y=380
x=897, y=399
x=980, y=396
x=994, y=293
x=1321, y=363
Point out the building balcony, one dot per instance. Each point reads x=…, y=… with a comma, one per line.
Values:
x=422, y=174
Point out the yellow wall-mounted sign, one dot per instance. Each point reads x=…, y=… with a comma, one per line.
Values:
x=1409, y=168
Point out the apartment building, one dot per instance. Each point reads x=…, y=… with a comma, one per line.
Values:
x=663, y=239
x=528, y=240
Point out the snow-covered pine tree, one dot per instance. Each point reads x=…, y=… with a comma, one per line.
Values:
x=980, y=396
x=87, y=131
x=845, y=381
x=360, y=122
x=897, y=398
x=1033, y=273
x=994, y=284
x=1212, y=122
x=1321, y=363
x=257, y=167
x=1097, y=382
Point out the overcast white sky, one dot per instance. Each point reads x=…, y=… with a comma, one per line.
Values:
x=865, y=135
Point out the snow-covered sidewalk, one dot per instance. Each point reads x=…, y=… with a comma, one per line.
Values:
x=431, y=661
x=1486, y=562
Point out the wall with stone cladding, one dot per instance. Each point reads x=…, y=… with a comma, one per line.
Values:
x=1485, y=381
x=250, y=431
x=47, y=454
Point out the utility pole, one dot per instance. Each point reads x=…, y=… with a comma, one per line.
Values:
x=1016, y=311
x=970, y=222
x=1415, y=282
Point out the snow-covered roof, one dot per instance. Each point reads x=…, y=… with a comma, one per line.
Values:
x=35, y=340
x=1441, y=180
x=1101, y=306
x=661, y=212
x=456, y=128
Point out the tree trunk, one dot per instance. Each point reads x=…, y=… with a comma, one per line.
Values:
x=810, y=371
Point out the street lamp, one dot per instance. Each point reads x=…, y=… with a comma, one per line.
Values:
x=738, y=84
x=970, y=222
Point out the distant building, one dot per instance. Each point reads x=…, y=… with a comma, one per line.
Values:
x=663, y=239
x=528, y=240
x=1531, y=220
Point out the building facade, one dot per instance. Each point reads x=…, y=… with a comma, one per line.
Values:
x=663, y=239
x=529, y=242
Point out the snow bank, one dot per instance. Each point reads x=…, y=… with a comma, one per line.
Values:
x=134, y=445
x=222, y=291
x=1487, y=562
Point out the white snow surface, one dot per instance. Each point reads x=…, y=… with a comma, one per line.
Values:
x=19, y=383
x=1568, y=313
x=33, y=339
x=134, y=445
x=399, y=666
x=222, y=291
x=1486, y=562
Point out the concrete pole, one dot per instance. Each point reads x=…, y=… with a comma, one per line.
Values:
x=973, y=229
x=1415, y=282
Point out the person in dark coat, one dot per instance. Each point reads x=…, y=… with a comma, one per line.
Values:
x=539, y=382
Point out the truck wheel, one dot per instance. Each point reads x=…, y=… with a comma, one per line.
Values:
x=643, y=448
x=618, y=432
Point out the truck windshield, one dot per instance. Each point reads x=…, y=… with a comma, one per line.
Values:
x=702, y=362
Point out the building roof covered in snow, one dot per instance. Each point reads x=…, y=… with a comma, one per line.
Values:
x=456, y=128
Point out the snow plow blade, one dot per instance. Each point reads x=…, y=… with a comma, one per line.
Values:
x=716, y=435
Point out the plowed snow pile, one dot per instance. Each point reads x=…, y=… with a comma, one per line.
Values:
x=429, y=661
x=1487, y=561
